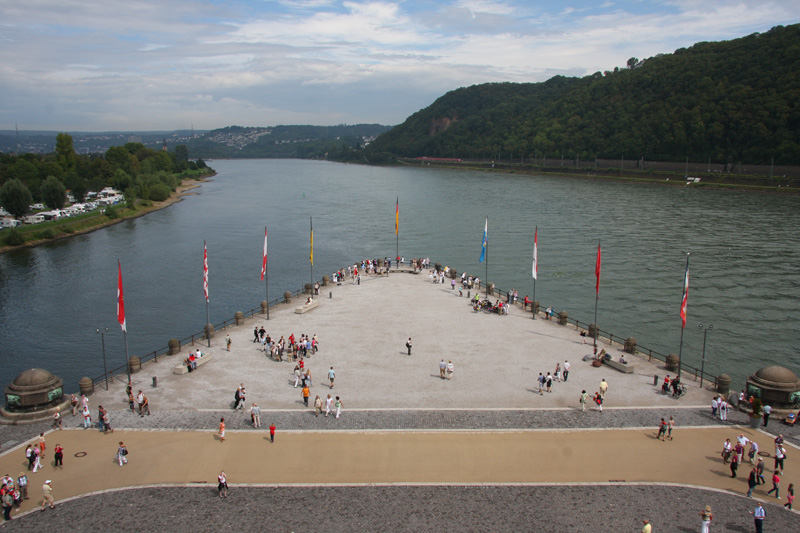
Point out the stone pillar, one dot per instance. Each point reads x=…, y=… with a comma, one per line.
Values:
x=135, y=364
x=562, y=318
x=672, y=362
x=174, y=346
x=326, y=281
x=630, y=345
x=287, y=297
x=263, y=307
x=208, y=331
x=490, y=289
x=592, y=330
x=453, y=273
x=308, y=288
x=536, y=307
x=723, y=384
x=238, y=318
x=86, y=386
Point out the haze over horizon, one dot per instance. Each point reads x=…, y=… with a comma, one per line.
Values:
x=172, y=64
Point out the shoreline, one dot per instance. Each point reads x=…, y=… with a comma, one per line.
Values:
x=175, y=197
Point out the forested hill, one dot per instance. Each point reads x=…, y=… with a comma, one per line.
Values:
x=733, y=101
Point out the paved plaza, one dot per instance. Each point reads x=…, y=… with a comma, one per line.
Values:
x=482, y=451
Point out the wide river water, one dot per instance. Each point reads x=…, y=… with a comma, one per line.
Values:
x=745, y=259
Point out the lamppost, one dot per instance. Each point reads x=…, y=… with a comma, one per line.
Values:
x=703, y=361
x=103, y=343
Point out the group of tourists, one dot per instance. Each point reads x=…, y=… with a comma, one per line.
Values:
x=734, y=453
x=294, y=348
x=12, y=492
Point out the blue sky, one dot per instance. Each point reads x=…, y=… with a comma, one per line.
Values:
x=73, y=65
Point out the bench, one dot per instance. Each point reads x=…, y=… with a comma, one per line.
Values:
x=306, y=307
x=183, y=369
x=624, y=368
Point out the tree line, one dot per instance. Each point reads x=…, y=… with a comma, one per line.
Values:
x=137, y=171
x=726, y=102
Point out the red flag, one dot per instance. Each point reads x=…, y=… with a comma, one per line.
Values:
x=536, y=253
x=120, y=299
x=685, y=295
x=205, y=270
x=597, y=271
x=264, y=260
x=397, y=216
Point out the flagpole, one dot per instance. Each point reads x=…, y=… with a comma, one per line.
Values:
x=683, y=327
x=208, y=319
x=596, y=297
x=397, y=231
x=127, y=359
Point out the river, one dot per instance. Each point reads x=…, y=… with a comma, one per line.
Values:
x=745, y=259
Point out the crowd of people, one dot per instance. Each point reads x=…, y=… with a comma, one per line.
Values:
x=735, y=452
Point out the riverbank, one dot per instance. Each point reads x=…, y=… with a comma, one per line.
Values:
x=102, y=221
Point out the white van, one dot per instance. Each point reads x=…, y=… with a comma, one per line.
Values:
x=9, y=223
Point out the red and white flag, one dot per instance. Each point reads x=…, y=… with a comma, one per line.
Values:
x=597, y=271
x=120, y=299
x=536, y=253
x=205, y=270
x=685, y=295
x=264, y=260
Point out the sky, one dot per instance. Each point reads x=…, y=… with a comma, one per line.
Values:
x=147, y=65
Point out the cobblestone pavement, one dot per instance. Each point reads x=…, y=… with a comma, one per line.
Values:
x=583, y=508
x=360, y=420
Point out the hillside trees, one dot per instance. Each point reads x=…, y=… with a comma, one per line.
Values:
x=15, y=197
x=53, y=193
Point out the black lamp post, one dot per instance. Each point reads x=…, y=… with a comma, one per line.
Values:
x=703, y=361
x=103, y=343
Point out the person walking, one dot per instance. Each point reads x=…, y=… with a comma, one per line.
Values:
x=7, y=498
x=272, y=432
x=122, y=451
x=705, y=519
x=557, y=373
x=767, y=412
x=776, y=484
x=598, y=399
x=760, y=471
x=222, y=484
x=549, y=382
x=255, y=334
x=541, y=381
x=57, y=420
x=87, y=418
x=662, y=430
x=37, y=458
x=734, y=464
x=47, y=493
x=29, y=456
x=442, y=368
x=306, y=394
x=297, y=374
x=727, y=450
x=58, y=454
x=255, y=415
x=222, y=429
x=566, y=370
x=723, y=410
x=670, y=427
x=228, y=342
x=780, y=456
x=408, y=345
x=145, y=407
x=752, y=481
x=328, y=404
x=331, y=376
x=647, y=528
x=338, y=406
x=603, y=388
x=317, y=405
x=789, y=497
x=759, y=515
x=450, y=369
x=584, y=398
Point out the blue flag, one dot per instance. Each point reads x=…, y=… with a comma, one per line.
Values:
x=485, y=241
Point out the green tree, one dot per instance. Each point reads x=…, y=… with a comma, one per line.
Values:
x=53, y=193
x=159, y=192
x=65, y=151
x=15, y=197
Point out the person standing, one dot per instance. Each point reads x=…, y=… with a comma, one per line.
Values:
x=541, y=384
x=22, y=483
x=57, y=420
x=549, y=382
x=8, y=502
x=670, y=427
x=442, y=368
x=727, y=450
x=603, y=388
x=647, y=527
x=450, y=369
x=145, y=406
x=306, y=394
x=222, y=429
x=328, y=404
x=140, y=401
x=408, y=345
x=222, y=484
x=753, y=453
x=734, y=464
x=228, y=342
x=767, y=412
x=331, y=376
x=780, y=456
x=557, y=373
x=760, y=471
x=29, y=456
x=714, y=406
x=789, y=497
x=59, y=457
x=297, y=374
x=759, y=515
x=272, y=432
x=317, y=405
x=598, y=399
x=705, y=519
x=566, y=370
x=255, y=415
x=47, y=493
x=584, y=397
x=752, y=481
x=723, y=410
x=122, y=451
x=776, y=484
x=338, y=406
x=41, y=444
x=73, y=403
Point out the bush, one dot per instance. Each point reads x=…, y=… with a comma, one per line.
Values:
x=46, y=234
x=14, y=237
x=159, y=192
x=111, y=212
x=68, y=229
